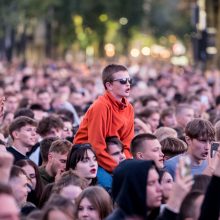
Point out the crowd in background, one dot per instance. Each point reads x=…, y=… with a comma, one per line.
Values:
x=176, y=112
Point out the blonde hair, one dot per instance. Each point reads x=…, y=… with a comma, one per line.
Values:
x=164, y=132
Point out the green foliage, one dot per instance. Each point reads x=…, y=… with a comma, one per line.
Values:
x=166, y=18
x=100, y=20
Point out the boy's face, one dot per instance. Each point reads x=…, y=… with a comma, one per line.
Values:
x=116, y=153
x=120, y=87
x=186, y=116
x=26, y=135
x=199, y=148
x=151, y=150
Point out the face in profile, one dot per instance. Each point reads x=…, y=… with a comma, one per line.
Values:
x=153, y=190
x=87, y=167
x=58, y=162
x=166, y=184
x=152, y=151
x=29, y=170
x=20, y=189
x=116, y=153
x=120, y=86
x=87, y=211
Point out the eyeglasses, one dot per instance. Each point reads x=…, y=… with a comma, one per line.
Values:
x=123, y=81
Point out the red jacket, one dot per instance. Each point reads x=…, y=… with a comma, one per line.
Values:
x=107, y=117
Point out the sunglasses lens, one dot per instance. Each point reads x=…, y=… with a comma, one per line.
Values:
x=123, y=81
x=130, y=81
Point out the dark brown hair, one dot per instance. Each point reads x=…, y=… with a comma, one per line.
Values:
x=45, y=146
x=48, y=123
x=39, y=186
x=200, y=128
x=20, y=122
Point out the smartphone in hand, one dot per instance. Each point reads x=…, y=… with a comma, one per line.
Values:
x=214, y=148
x=185, y=169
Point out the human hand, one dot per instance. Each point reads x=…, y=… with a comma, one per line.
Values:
x=212, y=163
x=59, y=174
x=181, y=187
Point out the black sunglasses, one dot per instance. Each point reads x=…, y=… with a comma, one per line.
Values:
x=123, y=81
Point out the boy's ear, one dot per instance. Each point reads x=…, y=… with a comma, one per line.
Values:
x=187, y=138
x=108, y=86
x=50, y=156
x=139, y=155
x=15, y=134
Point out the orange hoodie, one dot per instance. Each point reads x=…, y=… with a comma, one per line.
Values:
x=107, y=117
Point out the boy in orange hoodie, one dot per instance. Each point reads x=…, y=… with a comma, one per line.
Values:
x=110, y=115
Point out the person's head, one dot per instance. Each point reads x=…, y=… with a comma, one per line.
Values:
x=23, y=131
x=9, y=209
x=199, y=135
x=45, y=146
x=151, y=117
x=168, y=117
x=64, y=91
x=82, y=159
x=172, y=147
x=93, y=203
x=166, y=181
x=190, y=208
x=19, y=184
x=136, y=188
x=115, y=149
x=12, y=102
x=24, y=112
x=147, y=147
x=50, y=126
x=70, y=185
x=67, y=114
x=39, y=112
x=57, y=156
x=67, y=131
x=32, y=172
x=164, y=132
x=63, y=206
x=195, y=102
x=54, y=213
x=149, y=101
x=116, y=80
x=44, y=99
x=184, y=114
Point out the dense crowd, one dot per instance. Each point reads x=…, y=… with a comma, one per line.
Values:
x=109, y=141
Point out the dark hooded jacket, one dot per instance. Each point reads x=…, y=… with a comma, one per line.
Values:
x=129, y=188
x=129, y=191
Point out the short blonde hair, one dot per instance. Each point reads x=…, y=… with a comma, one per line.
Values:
x=164, y=132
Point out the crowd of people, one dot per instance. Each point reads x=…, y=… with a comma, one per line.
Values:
x=109, y=141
